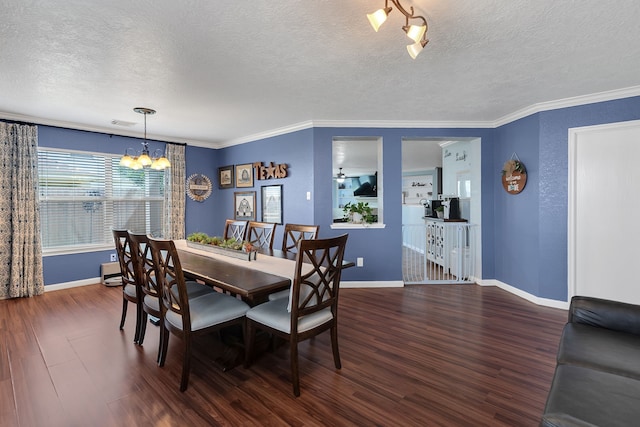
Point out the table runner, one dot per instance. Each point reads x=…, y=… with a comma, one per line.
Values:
x=273, y=265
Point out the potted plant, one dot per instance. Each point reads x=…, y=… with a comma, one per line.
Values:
x=440, y=211
x=358, y=213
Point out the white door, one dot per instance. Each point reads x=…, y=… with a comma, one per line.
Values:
x=604, y=202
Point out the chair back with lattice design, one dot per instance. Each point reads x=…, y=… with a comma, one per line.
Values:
x=145, y=272
x=235, y=229
x=170, y=278
x=261, y=234
x=295, y=232
x=123, y=249
x=317, y=288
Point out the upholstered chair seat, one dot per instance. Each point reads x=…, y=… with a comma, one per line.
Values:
x=209, y=310
x=274, y=314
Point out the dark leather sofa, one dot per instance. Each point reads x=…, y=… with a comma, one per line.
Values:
x=597, y=376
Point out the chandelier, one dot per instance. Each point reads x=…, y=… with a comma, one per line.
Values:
x=143, y=159
x=340, y=177
x=417, y=33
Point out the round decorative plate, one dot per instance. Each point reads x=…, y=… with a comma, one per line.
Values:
x=198, y=187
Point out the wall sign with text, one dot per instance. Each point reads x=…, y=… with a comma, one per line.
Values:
x=198, y=187
x=514, y=176
x=270, y=171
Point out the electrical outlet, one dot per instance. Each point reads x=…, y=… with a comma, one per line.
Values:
x=114, y=257
x=359, y=262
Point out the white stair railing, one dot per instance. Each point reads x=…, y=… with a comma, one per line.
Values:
x=438, y=252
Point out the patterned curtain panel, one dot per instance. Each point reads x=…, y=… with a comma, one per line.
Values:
x=20, y=246
x=174, y=195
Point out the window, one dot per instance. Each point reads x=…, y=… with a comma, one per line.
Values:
x=84, y=195
x=360, y=159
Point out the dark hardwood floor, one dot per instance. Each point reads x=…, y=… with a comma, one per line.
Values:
x=424, y=355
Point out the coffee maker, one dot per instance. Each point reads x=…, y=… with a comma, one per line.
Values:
x=454, y=208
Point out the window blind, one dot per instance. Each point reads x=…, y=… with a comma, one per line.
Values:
x=84, y=195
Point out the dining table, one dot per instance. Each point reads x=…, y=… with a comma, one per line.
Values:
x=252, y=280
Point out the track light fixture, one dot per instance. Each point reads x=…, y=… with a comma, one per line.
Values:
x=143, y=159
x=417, y=33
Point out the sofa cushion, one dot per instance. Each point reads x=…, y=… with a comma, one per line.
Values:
x=599, y=348
x=581, y=396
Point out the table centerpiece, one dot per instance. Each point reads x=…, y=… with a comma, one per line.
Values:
x=232, y=247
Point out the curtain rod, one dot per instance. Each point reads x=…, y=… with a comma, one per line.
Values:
x=20, y=122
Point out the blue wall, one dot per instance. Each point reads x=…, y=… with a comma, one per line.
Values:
x=524, y=236
x=200, y=216
x=380, y=248
x=516, y=250
x=293, y=149
x=533, y=224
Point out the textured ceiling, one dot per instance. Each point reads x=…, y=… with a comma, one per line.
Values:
x=218, y=72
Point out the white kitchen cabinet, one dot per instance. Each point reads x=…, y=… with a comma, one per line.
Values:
x=442, y=237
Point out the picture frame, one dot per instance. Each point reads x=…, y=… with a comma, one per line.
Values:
x=225, y=177
x=271, y=197
x=244, y=205
x=244, y=175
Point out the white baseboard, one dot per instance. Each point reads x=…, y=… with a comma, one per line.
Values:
x=373, y=284
x=74, y=284
x=529, y=297
x=370, y=284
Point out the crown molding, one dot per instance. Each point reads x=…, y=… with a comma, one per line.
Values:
x=267, y=134
x=389, y=124
x=398, y=124
x=395, y=124
x=99, y=129
x=568, y=102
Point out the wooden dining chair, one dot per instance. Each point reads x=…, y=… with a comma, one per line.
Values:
x=295, y=232
x=130, y=290
x=261, y=234
x=184, y=316
x=235, y=229
x=312, y=307
x=146, y=278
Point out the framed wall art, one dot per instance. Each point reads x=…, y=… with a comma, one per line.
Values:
x=244, y=175
x=272, y=203
x=225, y=177
x=245, y=205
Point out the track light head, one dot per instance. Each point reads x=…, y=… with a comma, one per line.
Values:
x=417, y=33
x=378, y=17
